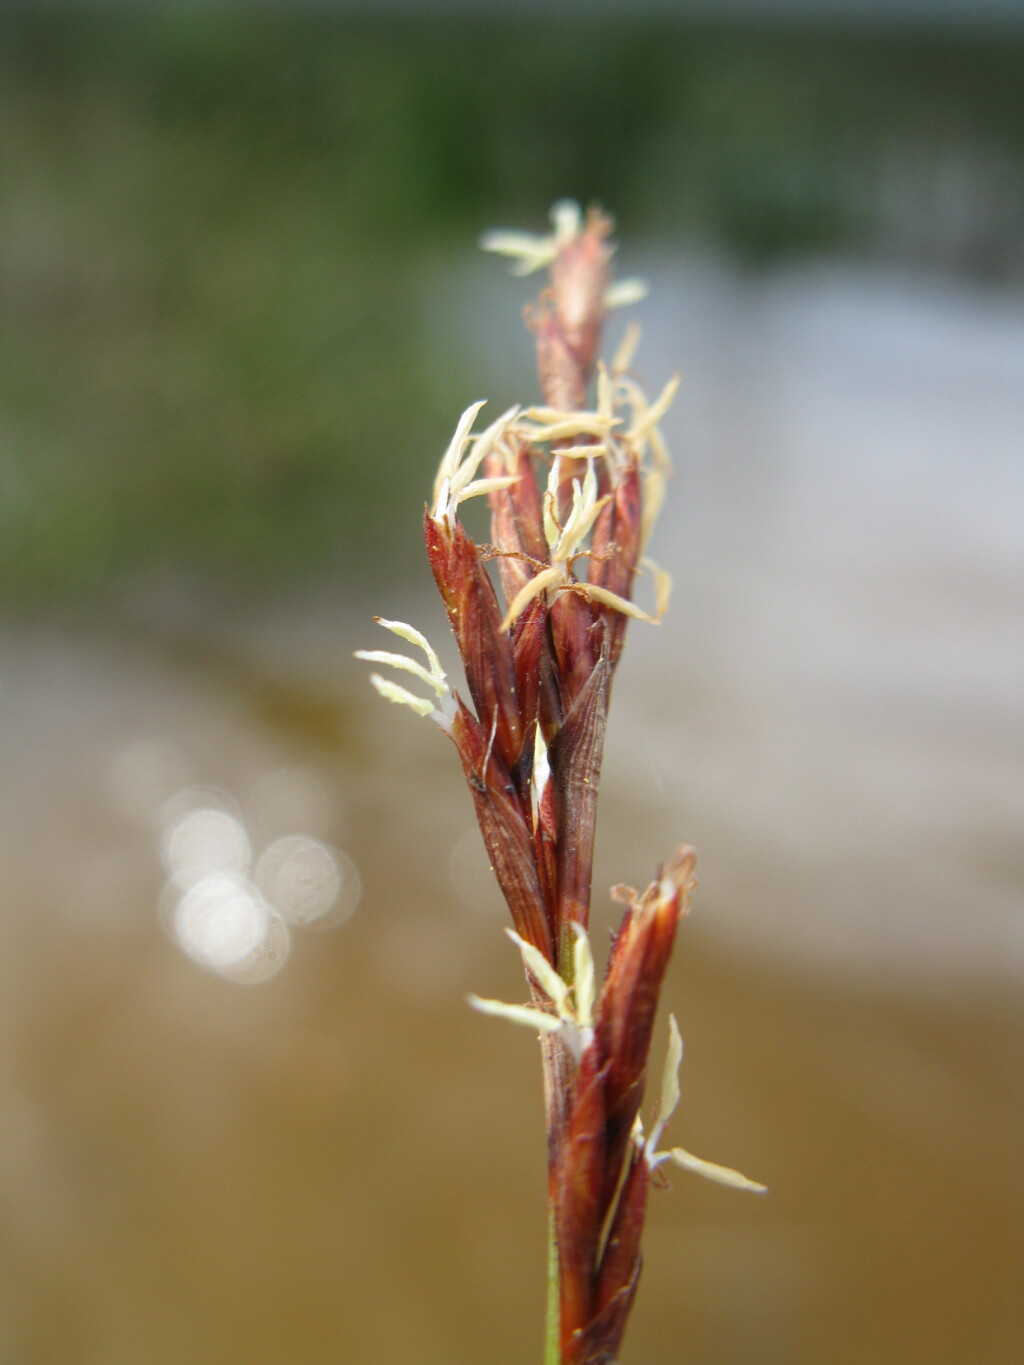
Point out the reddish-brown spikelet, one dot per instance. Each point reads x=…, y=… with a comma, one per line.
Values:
x=621, y=1260
x=533, y=669
x=598, y=1342
x=577, y=1179
x=616, y=549
x=601, y=1172
x=629, y=997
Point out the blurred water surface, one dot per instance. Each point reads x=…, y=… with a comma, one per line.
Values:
x=297, y=1143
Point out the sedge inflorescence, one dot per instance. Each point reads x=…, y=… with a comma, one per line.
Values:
x=574, y=487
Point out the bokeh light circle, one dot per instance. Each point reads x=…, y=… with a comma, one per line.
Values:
x=308, y=882
x=224, y=924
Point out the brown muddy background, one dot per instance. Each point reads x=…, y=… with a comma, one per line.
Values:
x=212, y=466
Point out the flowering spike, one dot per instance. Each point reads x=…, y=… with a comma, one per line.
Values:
x=573, y=488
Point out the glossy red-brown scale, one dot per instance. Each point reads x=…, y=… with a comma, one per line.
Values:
x=621, y=1259
x=615, y=546
x=577, y=1179
x=485, y=648
x=505, y=830
x=575, y=759
x=516, y=520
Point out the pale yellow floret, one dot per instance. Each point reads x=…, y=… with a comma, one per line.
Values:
x=625, y=292
x=589, y=452
x=481, y=448
x=655, y=411
x=586, y=508
x=659, y=449
x=565, y=425
x=540, y=774
x=710, y=1170
x=549, y=506
x=567, y=220
x=529, y=250
x=547, y=978
x=642, y=433
x=623, y=358
x=456, y=478
x=573, y=1019
x=662, y=587
x=654, y=485
x=617, y=603
x=605, y=394
x=644, y=429
x=479, y=487
x=412, y=636
x=566, y=542
x=456, y=481
x=669, y=1082
x=526, y=1015
x=584, y=979
x=384, y=656
x=391, y=691
x=433, y=674
x=547, y=578
x=452, y=458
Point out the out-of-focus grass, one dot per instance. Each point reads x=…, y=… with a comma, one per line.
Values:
x=214, y=228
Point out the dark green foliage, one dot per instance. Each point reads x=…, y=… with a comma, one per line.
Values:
x=215, y=227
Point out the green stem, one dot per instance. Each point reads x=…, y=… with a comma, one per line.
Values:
x=552, y=1343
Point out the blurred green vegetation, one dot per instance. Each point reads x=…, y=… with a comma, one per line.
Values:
x=215, y=226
